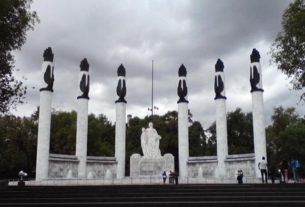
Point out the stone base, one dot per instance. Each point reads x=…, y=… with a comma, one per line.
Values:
x=150, y=167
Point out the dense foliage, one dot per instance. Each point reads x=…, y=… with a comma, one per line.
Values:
x=15, y=20
x=288, y=50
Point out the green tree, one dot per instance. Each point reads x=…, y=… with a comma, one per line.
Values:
x=240, y=132
x=63, y=132
x=100, y=136
x=288, y=50
x=285, y=137
x=15, y=20
x=17, y=145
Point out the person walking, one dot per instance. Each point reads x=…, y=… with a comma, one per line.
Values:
x=295, y=166
x=262, y=165
x=284, y=171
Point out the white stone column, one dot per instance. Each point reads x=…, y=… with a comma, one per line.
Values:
x=81, y=136
x=120, y=123
x=221, y=119
x=43, y=140
x=44, y=124
x=258, y=129
x=183, y=139
x=120, y=138
x=183, y=124
x=82, y=119
x=221, y=134
x=257, y=110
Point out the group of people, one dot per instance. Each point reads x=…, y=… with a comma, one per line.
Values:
x=294, y=165
x=172, y=177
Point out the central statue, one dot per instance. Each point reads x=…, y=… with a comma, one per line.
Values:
x=150, y=140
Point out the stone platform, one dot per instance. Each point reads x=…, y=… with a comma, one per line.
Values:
x=150, y=167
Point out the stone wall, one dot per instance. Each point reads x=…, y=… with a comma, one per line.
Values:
x=206, y=166
x=66, y=167
x=245, y=162
x=63, y=166
x=101, y=167
x=202, y=167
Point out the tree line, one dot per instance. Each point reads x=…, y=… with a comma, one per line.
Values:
x=18, y=137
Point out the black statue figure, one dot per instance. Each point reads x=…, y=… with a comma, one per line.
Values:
x=85, y=80
x=218, y=83
x=254, y=73
x=182, y=88
x=48, y=55
x=121, y=88
x=49, y=73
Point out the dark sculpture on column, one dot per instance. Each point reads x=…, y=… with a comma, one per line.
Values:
x=254, y=72
x=121, y=87
x=48, y=76
x=219, y=84
x=182, y=88
x=85, y=79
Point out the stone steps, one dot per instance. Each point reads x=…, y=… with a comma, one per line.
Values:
x=156, y=195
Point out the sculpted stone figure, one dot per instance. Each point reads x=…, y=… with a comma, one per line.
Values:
x=150, y=140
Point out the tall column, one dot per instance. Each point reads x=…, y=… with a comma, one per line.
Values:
x=257, y=109
x=183, y=131
x=44, y=125
x=120, y=124
x=82, y=119
x=221, y=119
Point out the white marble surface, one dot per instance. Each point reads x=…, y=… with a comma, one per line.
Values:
x=221, y=136
x=258, y=128
x=43, y=140
x=183, y=138
x=143, y=167
x=150, y=141
x=120, y=138
x=81, y=136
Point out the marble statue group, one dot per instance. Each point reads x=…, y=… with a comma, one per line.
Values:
x=150, y=140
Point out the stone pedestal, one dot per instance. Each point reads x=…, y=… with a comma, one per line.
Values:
x=43, y=140
x=81, y=136
x=142, y=167
x=120, y=138
x=183, y=138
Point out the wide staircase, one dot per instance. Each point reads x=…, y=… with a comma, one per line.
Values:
x=156, y=195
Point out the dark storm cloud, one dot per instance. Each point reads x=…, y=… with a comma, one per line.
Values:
x=134, y=33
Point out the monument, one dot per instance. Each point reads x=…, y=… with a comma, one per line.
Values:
x=152, y=163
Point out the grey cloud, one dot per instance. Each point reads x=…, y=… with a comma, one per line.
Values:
x=134, y=33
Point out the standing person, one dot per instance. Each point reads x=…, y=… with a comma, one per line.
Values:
x=263, y=168
x=295, y=165
x=176, y=177
x=240, y=176
x=284, y=171
x=164, y=176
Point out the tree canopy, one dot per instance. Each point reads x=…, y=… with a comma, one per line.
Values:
x=240, y=132
x=15, y=20
x=288, y=50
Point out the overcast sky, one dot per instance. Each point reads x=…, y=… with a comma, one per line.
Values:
x=170, y=32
